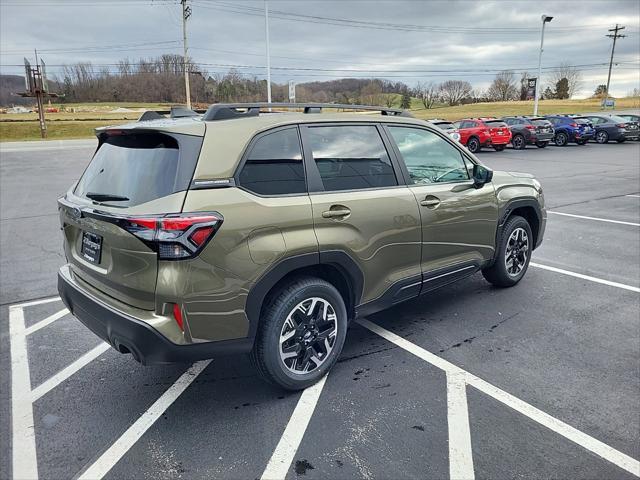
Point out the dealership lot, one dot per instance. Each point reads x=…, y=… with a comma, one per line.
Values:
x=547, y=373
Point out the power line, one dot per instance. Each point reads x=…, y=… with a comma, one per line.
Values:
x=254, y=11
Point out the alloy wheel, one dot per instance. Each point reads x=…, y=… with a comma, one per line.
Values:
x=308, y=335
x=517, y=252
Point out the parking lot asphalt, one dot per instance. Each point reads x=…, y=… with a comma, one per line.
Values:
x=549, y=370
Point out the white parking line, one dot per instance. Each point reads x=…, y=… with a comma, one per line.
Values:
x=37, y=302
x=624, y=286
x=66, y=372
x=43, y=323
x=460, y=454
x=601, y=449
x=280, y=461
x=634, y=196
x=123, y=444
x=597, y=219
x=23, y=448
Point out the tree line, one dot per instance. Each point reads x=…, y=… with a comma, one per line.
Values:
x=161, y=79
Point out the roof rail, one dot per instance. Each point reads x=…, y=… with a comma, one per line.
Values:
x=226, y=111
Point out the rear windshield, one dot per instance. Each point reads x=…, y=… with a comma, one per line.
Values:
x=139, y=168
x=582, y=121
x=540, y=122
x=495, y=123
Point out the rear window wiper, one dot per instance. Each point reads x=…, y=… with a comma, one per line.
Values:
x=106, y=197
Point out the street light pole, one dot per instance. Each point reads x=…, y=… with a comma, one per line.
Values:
x=266, y=32
x=545, y=20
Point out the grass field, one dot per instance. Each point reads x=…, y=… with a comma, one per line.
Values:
x=86, y=117
x=16, y=131
x=501, y=109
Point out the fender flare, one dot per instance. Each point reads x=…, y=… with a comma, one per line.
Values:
x=335, y=258
x=508, y=208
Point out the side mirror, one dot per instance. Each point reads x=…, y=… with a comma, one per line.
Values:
x=481, y=175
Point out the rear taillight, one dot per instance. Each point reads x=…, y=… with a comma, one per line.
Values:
x=177, y=315
x=574, y=125
x=530, y=127
x=175, y=236
x=621, y=125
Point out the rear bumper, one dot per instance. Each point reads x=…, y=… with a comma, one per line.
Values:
x=540, y=137
x=130, y=335
x=500, y=140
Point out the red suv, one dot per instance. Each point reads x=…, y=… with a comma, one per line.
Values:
x=476, y=133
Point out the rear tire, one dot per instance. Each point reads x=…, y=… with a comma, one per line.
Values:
x=561, y=139
x=518, y=142
x=621, y=140
x=473, y=144
x=541, y=144
x=602, y=137
x=581, y=142
x=513, y=254
x=301, y=333
x=499, y=148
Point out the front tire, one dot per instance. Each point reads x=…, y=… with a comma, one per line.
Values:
x=541, y=144
x=513, y=255
x=561, y=139
x=602, y=137
x=621, y=140
x=518, y=142
x=301, y=334
x=474, y=145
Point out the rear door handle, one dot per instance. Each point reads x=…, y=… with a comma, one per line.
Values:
x=336, y=211
x=430, y=202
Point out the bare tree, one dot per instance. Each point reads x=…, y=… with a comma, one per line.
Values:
x=504, y=87
x=572, y=74
x=371, y=94
x=453, y=91
x=428, y=93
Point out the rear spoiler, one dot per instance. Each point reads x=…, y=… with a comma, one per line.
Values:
x=175, y=112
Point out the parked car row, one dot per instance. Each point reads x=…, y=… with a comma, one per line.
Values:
x=561, y=129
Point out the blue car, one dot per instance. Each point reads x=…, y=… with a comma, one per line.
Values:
x=570, y=129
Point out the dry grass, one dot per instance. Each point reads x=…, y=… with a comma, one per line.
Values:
x=16, y=131
x=87, y=117
x=501, y=109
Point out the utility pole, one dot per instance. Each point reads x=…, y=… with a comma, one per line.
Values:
x=186, y=13
x=36, y=85
x=615, y=35
x=545, y=19
x=266, y=32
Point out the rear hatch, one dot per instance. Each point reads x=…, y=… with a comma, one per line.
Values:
x=499, y=131
x=585, y=127
x=109, y=217
x=542, y=127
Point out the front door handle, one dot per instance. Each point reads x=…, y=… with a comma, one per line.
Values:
x=430, y=201
x=336, y=211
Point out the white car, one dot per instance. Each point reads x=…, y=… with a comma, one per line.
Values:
x=448, y=127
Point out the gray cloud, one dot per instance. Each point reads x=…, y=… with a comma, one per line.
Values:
x=474, y=36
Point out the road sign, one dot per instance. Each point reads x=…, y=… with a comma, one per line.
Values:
x=292, y=91
x=531, y=88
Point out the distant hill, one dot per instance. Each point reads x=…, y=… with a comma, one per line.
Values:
x=9, y=85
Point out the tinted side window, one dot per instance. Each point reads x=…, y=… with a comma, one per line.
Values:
x=274, y=165
x=429, y=158
x=350, y=157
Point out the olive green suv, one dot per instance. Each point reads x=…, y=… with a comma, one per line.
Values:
x=251, y=229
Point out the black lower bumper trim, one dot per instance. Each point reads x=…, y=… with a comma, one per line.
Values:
x=127, y=334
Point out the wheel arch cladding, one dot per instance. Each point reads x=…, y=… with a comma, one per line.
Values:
x=336, y=267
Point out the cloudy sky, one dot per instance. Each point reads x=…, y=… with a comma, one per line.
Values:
x=403, y=40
